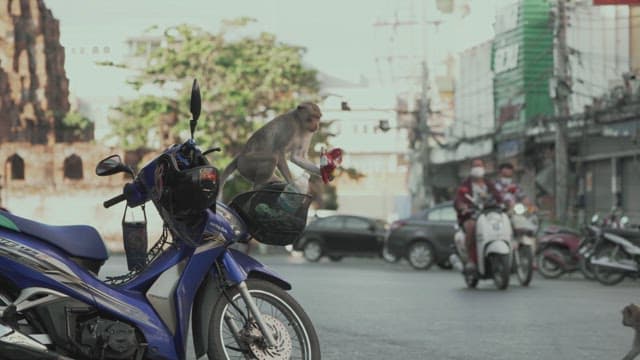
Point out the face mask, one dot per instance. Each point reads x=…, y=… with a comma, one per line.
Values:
x=477, y=172
x=506, y=180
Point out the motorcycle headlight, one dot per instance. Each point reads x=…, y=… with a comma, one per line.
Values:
x=519, y=209
x=237, y=226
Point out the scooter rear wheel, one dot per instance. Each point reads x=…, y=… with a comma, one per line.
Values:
x=549, y=268
x=470, y=278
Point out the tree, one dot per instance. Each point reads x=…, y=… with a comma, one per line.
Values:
x=76, y=127
x=245, y=81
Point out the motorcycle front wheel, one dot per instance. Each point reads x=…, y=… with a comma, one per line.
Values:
x=604, y=274
x=295, y=337
x=500, y=270
x=524, y=264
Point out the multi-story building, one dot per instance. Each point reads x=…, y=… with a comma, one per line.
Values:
x=470, y=134
x=381, y=156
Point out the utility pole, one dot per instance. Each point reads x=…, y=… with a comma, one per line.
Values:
x=423, y=125
x=563, y=90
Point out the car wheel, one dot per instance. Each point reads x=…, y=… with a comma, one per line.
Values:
x=335, y=258
x=420, y=255
x=312, y=250
x=388, y=256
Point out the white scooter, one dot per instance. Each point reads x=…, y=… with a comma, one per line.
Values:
x=494, y=238
x=525, y=227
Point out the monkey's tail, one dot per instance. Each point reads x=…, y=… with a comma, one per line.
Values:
x=233, y=165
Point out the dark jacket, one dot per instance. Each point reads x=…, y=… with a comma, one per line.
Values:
x=461, y=199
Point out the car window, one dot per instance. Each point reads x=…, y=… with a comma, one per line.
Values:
x=329, y=223
x=449, y=214
x=446, y=213
x=356, y=224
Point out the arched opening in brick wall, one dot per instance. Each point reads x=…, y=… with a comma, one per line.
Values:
x=73, y=167
x=16, y=167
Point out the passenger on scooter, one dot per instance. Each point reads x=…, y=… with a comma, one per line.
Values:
x=510, y=191
x=479, y=190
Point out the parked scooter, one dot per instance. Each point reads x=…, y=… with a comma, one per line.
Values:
x=53, y=306
x=494, y=241
x=563, y=250
x=525, y=227
x=616, y=254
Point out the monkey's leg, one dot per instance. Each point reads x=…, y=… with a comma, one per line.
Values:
x=233, y=165
x=258, y=170
x=283, y=167
x=635, y=349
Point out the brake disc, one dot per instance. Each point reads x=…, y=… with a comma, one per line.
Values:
x=282, y=348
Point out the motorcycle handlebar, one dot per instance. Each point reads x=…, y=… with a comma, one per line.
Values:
x=109, y=203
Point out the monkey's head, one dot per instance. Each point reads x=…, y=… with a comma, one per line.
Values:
x=309, y=115
x=631, y=316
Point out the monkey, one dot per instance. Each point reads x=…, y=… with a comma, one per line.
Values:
x=631, y=318
x=286, y=136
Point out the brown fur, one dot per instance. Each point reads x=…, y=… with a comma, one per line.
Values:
x=631, y=318
x=287, y=136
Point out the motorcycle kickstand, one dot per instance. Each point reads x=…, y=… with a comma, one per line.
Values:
x=246, y=296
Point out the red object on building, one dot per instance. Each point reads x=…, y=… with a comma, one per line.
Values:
x=616, y=2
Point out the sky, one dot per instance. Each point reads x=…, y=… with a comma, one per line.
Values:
x=339, y=35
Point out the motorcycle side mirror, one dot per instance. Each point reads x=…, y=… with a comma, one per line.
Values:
x=195, y=106
x=595, y=218
x=112, y=165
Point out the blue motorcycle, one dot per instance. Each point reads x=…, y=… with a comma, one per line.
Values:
x=54, y=306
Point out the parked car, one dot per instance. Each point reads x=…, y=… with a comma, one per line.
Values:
x=342, y=235
x=425, y=238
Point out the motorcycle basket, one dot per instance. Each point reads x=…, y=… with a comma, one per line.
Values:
x=273, y=217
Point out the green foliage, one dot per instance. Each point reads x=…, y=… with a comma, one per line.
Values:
x=245, y=81
x=140, y=119
x=76, y=124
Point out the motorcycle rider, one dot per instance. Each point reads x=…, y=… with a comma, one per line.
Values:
x=474, y=189
x=510, y=191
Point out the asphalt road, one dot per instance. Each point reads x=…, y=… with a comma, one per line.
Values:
x=368, y=309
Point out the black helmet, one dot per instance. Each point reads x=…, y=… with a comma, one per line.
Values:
x=187, y=192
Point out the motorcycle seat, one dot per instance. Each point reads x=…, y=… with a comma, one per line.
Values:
x=631, y=235
x=559, y=230
x=76, y=240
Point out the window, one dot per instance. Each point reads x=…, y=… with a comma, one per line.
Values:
x=73, y=167
x=356, y=224
x=16, y=165
x=333, y=222
x=446, y=213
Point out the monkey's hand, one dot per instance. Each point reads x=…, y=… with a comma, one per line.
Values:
x=326, y=172
x=328, y=163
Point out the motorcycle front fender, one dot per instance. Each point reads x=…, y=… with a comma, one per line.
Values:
x=497, y=247
x=209, y=292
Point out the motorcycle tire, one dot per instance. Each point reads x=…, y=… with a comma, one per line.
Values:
x=293, y=330
x=606, y=275
x=524, y=266
x=549, y=268
x=586, y=268
x=500, y=270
